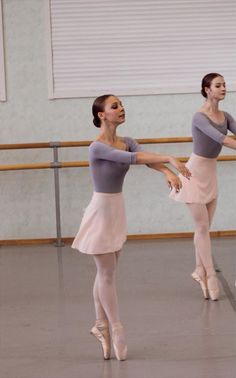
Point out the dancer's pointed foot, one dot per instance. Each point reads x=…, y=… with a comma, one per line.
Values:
x=119, y=343
x=102, y=334
x=203, y=283
x=213, y=287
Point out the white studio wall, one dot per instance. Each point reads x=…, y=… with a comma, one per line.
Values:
x=27, y=197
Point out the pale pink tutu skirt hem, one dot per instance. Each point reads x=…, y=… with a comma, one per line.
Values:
x=103, y=227
x=202, y=186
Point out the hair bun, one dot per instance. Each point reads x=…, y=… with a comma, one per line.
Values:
x=203, y=92
x=96, y=122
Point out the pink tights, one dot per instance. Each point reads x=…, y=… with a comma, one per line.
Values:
x=202, y=215
x=104, y=290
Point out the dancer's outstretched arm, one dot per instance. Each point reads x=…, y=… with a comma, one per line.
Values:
x=173, y=181
x=152, y=158
x=229, y=142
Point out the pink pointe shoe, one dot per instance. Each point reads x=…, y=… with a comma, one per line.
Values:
x=119, y=345
x=103, y=336
x=203, y=284
x=213, y=287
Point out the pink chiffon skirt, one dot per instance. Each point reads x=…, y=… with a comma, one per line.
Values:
x=103, y=228
x=202, y=186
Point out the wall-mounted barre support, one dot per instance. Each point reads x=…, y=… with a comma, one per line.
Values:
x=56, y=165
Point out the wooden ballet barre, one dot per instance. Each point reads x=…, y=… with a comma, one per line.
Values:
x=86, y=143
x=22, y=146
x=164, y=140
x=67, y=164
x=81, y=164
x=220, y=158
x=17, y=167
x=139, y=140
x=168, y=140
x=73, y=164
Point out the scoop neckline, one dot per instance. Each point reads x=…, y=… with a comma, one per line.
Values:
x=107, y=144
x=218, y=124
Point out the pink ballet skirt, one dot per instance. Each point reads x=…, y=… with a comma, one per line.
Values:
x=103, y=228
x=202, y=185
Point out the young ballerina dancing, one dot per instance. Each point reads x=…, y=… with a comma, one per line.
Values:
x=209, y=130
x=102, y=232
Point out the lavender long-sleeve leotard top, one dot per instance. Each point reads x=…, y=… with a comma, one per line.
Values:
x=208, y=136
x=109, y=165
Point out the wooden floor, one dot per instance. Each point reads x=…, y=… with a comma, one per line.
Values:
x=172, y=332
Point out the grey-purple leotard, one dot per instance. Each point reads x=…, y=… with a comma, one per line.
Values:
x=208, y=136
x=109, y=165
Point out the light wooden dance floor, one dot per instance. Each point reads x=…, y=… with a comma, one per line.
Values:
x=172, y=332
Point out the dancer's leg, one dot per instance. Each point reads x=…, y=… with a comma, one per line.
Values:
x=106, y=288
x=202, y=216
x=202, y=241
x=106, y=285
x=211, y=207
x=212, y=280
x=118, y=253
x=118, y=334
x=99, y=310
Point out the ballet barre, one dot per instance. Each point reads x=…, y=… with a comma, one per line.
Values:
x=56, y=164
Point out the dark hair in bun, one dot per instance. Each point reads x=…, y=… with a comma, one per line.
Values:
x=206, y=82
x=98, y=106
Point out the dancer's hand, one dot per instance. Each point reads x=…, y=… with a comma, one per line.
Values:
x=180, y=167
x=173, y=181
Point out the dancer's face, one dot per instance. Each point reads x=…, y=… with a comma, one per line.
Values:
x=217, y=89
x=114, y=111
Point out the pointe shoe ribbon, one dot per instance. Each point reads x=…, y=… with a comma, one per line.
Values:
x=202, y=283
x=103, y=336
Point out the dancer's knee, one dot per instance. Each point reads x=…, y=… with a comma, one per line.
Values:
x=203, y=228
x=108, y=276
x=106, y=268
x=201, y=233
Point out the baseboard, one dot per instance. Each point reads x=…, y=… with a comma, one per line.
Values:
x=68, y=240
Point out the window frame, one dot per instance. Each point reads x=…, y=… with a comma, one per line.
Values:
x=126, y=91
x=2, y=58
